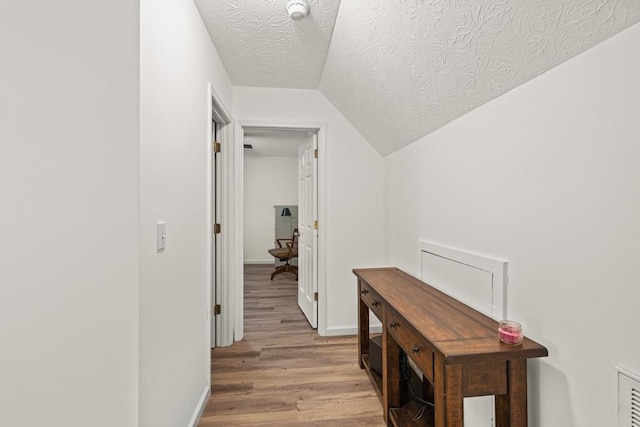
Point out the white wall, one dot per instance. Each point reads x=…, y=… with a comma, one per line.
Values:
x=177, y=60
x=354, y=190
x=268, y=181
x=69, y=213
x=545, y=177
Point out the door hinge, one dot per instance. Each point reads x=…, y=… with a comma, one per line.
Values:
x=315, y=296
x=315, y=224
x=315, y=153
x=216, y=147
x=217, y=228
x=217, y=309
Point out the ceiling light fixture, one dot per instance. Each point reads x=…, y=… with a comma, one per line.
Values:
x=297, y=9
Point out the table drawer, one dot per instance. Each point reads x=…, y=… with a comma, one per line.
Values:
x=411, y=342
x=372, y=299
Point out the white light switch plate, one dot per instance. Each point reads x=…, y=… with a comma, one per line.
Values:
x=161, y=235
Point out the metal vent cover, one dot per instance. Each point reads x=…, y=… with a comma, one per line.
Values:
x=628, y=399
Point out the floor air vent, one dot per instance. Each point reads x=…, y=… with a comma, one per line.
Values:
x=628, y=399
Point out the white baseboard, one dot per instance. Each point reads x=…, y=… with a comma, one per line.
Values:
x=258, y=261
x=195, y=418
x=352, y=330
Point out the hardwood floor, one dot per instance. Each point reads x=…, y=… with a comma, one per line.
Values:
x=283, y=373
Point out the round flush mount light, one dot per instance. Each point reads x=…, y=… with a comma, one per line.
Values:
x=297, y=9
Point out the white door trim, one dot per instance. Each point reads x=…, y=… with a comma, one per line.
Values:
x=224, y=323
x=238, y=194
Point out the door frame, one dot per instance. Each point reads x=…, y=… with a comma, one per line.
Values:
x=219, y=328
x=238, y=194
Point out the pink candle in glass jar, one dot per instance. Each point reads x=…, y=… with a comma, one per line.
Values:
x=510, y=332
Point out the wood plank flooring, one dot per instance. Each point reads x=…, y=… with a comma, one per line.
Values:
x=283, y=373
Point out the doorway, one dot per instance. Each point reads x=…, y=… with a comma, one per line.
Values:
x=280, y=208
x=319, y=130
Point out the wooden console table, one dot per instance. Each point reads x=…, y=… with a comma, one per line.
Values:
x=456, y=348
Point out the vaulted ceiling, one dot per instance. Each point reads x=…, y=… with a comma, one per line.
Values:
x=400, y=69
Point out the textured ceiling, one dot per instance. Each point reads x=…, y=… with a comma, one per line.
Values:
x=400, y=69
x=274, y=143
x=261, y=46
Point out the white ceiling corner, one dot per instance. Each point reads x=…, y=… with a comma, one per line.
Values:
x=400, y=70
x=261, y=46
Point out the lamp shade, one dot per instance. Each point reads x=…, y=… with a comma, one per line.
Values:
x=286, y=212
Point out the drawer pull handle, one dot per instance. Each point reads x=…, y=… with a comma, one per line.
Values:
x=364, y=291
x=393, y=325
x=375, y=303
x=415, y=349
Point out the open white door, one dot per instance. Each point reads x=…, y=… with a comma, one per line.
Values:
x=308, y=239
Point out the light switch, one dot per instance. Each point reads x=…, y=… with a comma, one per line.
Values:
x=161, y=235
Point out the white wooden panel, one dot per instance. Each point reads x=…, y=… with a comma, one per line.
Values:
x=471, y=285
x=477, y=281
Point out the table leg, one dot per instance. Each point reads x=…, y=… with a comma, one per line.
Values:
x=511, y=408
x=448, y=401
x=453, y=390
x=439, y=397
x=390, y=373
x=363, y=327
